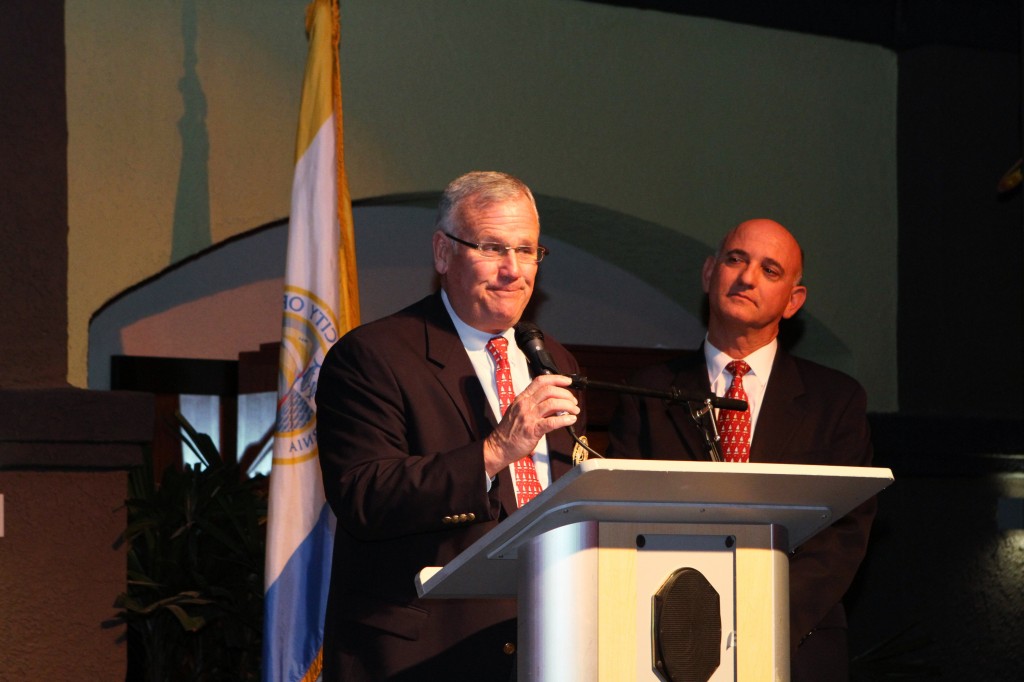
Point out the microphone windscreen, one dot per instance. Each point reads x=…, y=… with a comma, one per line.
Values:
x=526, y=332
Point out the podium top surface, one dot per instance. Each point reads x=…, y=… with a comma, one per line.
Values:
x=802, y=498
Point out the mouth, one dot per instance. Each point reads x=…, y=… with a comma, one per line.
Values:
x=742, y=296
x=506, y=291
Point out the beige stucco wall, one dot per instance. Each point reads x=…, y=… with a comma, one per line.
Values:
x=690, y=123
x=126, y=156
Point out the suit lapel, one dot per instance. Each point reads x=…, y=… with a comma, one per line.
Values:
x=691, y=380
x=454, y=371
x=781, y=412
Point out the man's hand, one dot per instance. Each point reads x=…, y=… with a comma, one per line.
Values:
x=545, y=405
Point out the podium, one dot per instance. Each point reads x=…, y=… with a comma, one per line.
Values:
x=594, y=563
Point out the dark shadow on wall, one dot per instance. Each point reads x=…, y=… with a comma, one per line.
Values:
x=666, y=259
x=611, y=280
x=191, y=230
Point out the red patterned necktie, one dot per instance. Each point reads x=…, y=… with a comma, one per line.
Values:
x=734, y=426
x=527, y=483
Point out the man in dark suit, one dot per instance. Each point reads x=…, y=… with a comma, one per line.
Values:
x=799, y=413
x=416, y=451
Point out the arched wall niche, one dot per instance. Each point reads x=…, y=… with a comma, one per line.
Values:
x=611, y=280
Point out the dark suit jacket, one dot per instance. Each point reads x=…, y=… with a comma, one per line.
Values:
x=401, y=419
x=810, y=415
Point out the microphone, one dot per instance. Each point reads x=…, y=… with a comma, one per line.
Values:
x=530, y=339
x=729, y=404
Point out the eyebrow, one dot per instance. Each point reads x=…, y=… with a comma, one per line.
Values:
x=771, y=262
x=738, y=253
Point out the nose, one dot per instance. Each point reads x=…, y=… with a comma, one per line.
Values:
x=510, y=263
x=748, y=275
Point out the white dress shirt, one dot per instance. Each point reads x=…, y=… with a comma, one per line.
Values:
x=475, y=343
x=754, y=382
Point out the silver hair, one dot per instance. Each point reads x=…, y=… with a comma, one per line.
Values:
x=477, y=190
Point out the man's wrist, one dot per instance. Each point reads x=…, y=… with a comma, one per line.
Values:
x=493, y=461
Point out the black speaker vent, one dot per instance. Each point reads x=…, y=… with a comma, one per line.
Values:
x=687, y=628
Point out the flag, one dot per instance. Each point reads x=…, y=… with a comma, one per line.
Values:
x=321, y=302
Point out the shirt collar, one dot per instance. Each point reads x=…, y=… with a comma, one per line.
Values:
x=472, y=338
x=760, y=361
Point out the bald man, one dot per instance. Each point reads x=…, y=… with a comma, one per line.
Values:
x=799, y=413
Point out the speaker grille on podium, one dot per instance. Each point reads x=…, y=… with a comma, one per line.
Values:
x=687, y=628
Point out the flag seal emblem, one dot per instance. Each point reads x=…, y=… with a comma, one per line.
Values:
x=309, y=331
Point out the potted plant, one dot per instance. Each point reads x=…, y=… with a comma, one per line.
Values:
x=196, y=541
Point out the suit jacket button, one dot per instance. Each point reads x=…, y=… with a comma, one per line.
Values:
x=462, y=518
x=509, y=648
x=446, y=519
x=471, y=516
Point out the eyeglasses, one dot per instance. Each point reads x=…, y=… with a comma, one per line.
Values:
x=492, y=250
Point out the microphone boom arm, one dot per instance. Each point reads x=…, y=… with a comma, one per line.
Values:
x=530, y=339
x=701, y=407
x=673, y=395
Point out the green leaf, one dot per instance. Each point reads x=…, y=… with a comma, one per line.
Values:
x=189, y=623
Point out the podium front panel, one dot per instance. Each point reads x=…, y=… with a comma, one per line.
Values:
x=586, y=599
x=803, y=499
x=584, y=586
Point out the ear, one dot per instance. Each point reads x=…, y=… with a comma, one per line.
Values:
x=796, y=301
x=442, y=252
x=705, y=273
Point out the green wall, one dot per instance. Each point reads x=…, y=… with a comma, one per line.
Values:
x=182, y=114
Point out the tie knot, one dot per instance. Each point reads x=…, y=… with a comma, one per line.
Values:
x=498, y=347
x=737, y=368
